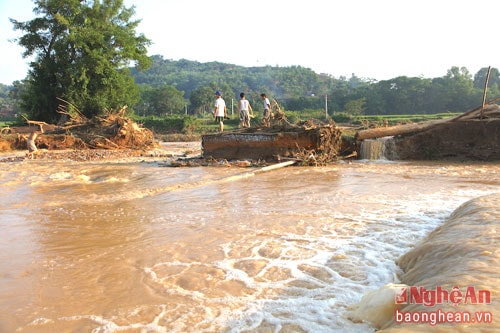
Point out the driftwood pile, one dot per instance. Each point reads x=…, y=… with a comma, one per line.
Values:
x=110, y=131
x=328, y=140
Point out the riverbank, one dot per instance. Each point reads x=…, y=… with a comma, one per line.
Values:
x=448, y=281
x=164, y=150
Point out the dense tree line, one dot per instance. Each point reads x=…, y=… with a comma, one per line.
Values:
x=4, y=97
x=298, y=88
x=83, y=52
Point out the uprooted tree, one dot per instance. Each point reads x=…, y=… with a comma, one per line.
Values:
x=111, y=130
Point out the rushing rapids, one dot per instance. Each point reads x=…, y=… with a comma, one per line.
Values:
x=132, y=245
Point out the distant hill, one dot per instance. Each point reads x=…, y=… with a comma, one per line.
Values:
x=281, y=82
x=299, y=88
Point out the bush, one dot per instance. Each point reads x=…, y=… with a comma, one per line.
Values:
x=342, y=117
x=172, y=124
x=297, y=116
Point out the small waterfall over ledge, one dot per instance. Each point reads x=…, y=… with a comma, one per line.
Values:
x=377, y=149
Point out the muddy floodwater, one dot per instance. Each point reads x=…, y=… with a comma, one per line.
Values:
x=130, y=246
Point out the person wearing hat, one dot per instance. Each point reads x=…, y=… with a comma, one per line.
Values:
x=220, y=110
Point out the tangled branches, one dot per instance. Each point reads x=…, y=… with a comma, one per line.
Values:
x=327, y=138
x=113, y=130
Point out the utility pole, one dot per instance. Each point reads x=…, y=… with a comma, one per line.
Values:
x=484, y=92
x=326, y=106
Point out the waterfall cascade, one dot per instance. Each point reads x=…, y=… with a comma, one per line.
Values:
x=376, y=149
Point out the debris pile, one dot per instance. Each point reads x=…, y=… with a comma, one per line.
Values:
x=110, y=131
x=311, y=143
x=328, y=143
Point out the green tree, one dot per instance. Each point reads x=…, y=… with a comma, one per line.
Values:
x=202, y=99
x=82, y=54
x=166, y=100
x=480, y=78
x=355, y=107
x=493, y=90
x=402, y=95
x=459, y=90
x=19, y=89
x=4, y=94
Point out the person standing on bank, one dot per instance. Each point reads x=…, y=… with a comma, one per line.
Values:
x=266, y=119
x=220, y=110
x=244, y=107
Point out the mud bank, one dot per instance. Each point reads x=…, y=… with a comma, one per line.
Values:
x=457, y=264
x=164, y=151
x=476, y=140
x=472, y=136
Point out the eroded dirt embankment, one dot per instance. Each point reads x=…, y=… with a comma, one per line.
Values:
x=477, y=140
x=474, y=135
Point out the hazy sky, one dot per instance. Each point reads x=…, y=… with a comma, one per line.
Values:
x=379, y=39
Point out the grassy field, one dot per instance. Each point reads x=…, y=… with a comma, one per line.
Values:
x=343, y=118
x=391, y=119
x=207, y=125
x=197, y=126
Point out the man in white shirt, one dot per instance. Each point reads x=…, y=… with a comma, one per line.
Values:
x=220, y=110
x=244, y=107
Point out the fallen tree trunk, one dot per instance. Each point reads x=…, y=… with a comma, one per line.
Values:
x=381, y=132
x=490, y=110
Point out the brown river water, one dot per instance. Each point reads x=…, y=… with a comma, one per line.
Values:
x=135, y=246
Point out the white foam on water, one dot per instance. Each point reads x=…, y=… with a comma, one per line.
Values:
x=310, y=281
